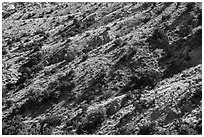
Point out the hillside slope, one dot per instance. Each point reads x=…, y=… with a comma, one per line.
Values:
x=102, y=68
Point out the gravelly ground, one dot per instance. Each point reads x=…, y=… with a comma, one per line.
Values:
x=102, y=68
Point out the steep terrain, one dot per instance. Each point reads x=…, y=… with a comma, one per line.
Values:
x=102, y=68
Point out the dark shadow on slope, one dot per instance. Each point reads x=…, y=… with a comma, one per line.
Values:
x=187, y=53
x=181, y=54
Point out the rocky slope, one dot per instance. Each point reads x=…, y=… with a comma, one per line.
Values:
x=102, y=68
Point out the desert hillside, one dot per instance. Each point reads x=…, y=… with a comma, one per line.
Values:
x=121, y=68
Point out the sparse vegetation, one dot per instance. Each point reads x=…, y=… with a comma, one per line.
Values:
x=14, y=126
x=102, y=68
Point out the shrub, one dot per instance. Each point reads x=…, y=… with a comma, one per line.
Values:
x=158, y=40
x=39, y=31
x=26, y=40
x=113, y=107
x=38, y=67
x=165, y=17
x=148, y=78
x=38, y=95
x=145, y=78
x=51, y=121
x=93, y=120
x=47, y=124
x=190, y=6
x=147, y=18
x=107, y=94
x=24, y=34
x=4, y=51
x=147, y=129
x=126, y=130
